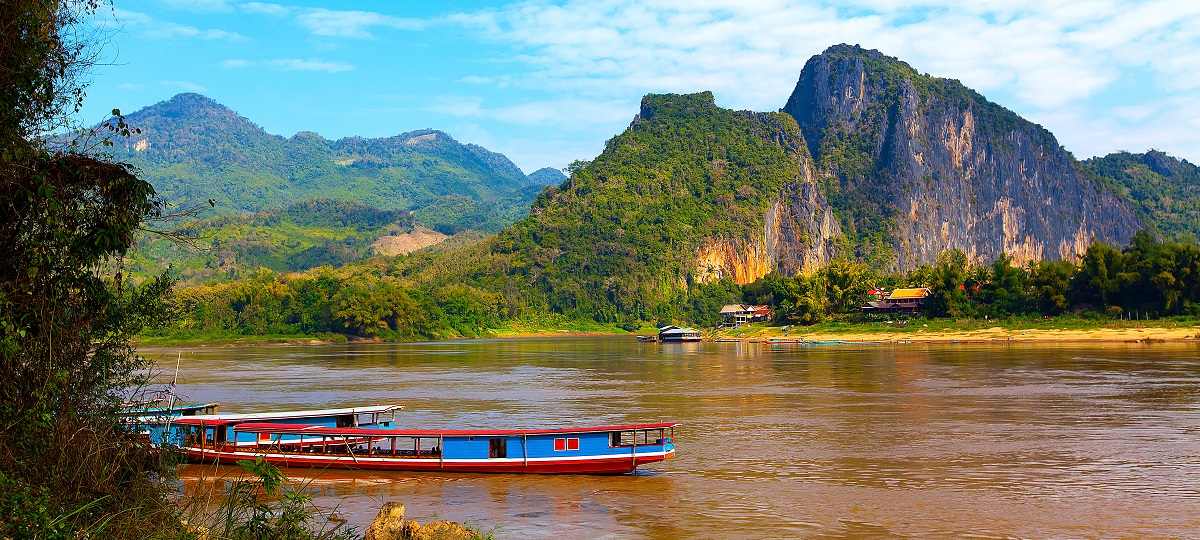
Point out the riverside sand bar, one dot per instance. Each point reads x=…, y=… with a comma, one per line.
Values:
x=918, y=440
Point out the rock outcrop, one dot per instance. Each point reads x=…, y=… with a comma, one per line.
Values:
x=799, y=230
x=926, y=165
x=390, y=524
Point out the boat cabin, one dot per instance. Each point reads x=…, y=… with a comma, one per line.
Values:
x=374, y=417
x=677, y=334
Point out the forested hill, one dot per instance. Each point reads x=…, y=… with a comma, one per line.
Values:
x=915, y=165
x=193, y=149
x=1165, y=190
x=547, y=176
x=689, y=194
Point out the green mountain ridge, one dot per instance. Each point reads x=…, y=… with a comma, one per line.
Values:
x=192, y=149
x=1164, y=190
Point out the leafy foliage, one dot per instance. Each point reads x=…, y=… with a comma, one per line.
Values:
x=67, y=468
x=1164, y=190
x=301, y=236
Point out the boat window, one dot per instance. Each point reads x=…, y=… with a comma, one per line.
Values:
x=344, y=420
x=408, y=446
x=621, y=438
x=640, y=437
x=571, y=443
x=497, y=448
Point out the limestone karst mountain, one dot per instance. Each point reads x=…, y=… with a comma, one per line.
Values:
x=915, y=165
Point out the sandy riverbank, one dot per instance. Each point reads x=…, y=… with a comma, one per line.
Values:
x=981, y=335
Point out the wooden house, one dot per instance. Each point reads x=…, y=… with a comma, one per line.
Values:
x=739, y=314
x=903, y=301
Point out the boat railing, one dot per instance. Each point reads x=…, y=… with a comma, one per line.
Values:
x=395, y=446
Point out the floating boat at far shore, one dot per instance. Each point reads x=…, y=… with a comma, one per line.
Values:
x=590, y=450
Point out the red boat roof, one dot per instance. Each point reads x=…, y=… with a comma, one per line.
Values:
x=293, y=429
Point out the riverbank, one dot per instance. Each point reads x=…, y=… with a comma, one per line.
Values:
x=1067, y=329
x=545, y=326
x=982, y=331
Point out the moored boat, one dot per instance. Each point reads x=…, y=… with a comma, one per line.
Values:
x=668, y=334
x=150, y=421
x=590, y=450
x=167, y=429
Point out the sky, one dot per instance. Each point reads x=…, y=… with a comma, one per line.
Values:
x=547, y=83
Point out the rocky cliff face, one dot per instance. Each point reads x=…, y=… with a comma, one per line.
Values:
x=799, y=231
x=915, y=165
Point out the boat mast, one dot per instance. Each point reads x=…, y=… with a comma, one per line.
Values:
x=171, y=404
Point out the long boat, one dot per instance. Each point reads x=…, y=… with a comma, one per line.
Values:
x=164, y=427
x=590, y=450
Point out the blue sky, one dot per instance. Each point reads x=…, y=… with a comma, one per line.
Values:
x=548, y=82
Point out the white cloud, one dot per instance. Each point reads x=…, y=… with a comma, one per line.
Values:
x=262, y=8
x=308, y=65
x=158, y=29
x=528, y=154
x=290, y=64
x=569, y=114
x=352, y=24
x=186, y=85
x=198, y=5
x=237, y=64
x=1038, y=57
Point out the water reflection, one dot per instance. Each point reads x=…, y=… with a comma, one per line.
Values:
x=779, y=441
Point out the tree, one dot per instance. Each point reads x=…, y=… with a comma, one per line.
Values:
x=1003, y=289
x=1103, y=275
x=948, y=296
x=846, y=285
x=66, y=313
x=800, y=298
x=1050, y=285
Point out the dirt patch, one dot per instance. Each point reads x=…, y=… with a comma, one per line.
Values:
x=402, y=244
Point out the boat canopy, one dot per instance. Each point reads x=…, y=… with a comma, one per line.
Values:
x=294, y=429
x=315, y=413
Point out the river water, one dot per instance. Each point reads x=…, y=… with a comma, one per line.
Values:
x=839, y=441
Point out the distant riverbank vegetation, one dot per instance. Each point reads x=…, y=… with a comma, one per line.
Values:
x=478, y=291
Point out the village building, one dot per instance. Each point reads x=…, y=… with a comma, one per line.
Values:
x=901, y=301
x=739, y=314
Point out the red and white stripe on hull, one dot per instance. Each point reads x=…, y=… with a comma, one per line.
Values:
x=574, y=465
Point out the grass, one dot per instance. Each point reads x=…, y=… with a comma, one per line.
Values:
x=550, y=324
x=178, y=338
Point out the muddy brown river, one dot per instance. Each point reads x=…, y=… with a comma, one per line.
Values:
x=834, y=441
